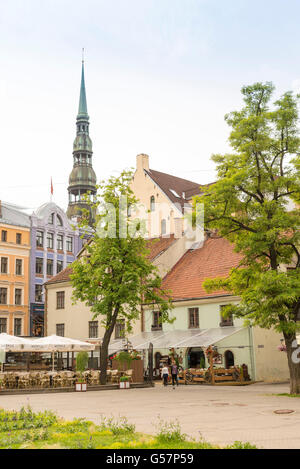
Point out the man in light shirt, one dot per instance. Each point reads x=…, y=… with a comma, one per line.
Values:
x=165, y=374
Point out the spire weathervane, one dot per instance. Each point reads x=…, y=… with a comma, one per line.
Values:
x=83, y=55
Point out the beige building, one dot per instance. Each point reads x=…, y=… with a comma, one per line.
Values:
x=163, y=199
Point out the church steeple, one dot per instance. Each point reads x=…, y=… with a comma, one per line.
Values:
x=82, y=109
x=82, y=179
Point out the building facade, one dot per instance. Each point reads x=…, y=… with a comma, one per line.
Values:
x=14, y=270
x=199, y=321
x=55, y=243
x=163, y=199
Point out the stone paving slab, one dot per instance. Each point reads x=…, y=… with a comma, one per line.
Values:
x=219, y=414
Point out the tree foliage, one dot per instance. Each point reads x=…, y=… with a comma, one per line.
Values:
x=116, y=277
x=254, y=204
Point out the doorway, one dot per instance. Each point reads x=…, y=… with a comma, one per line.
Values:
x=229, y=359
x=196, y=358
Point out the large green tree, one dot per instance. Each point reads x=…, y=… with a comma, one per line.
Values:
x=115, y=276
x=254, y=205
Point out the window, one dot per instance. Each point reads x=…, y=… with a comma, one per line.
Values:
x=163, y=227
x=3, y=296
x=93, y=329
x=60, y=241
x=17, y=326
x=19, y=266
x=51, y=219
x=3, y=325
x=39, y=239
x=152, y=203
x=69, y=243
x=59, y=220
x=50, y=239
x=38, y=293
x=18, y=296
x=39, y=265
x=120, y=329
x=3, y=236
x=228, y=321
x=60, y=330
x=59, y=266
x=4, y=265
x=156, y=325
x=193, y=318
x=49, y=267
x=60, y=300
x=19, y=238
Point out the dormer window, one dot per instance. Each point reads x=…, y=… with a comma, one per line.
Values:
x=59, y=220
x=152, y=203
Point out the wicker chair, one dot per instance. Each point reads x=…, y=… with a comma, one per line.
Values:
x=129, y=374
x=115, y=376
x=95, y=377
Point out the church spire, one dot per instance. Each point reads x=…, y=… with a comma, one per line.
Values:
x=82, y=180
x=82, y=109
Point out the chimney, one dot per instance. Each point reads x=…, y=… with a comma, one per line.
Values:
x=142, y=162
x=177, y=228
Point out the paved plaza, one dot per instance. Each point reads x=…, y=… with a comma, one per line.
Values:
x=219, y=414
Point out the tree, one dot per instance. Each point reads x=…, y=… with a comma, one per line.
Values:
x=115, y=276
x=254, y=205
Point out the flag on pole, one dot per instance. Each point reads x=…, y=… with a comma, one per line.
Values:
x=51, y=187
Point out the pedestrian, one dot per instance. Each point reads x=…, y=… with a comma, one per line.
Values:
x=174, y=372
x=165, y=374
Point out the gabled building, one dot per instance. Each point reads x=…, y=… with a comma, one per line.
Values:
x=199, y=321
x=163, y=198
x=14, y=270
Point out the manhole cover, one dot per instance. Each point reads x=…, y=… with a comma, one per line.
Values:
x=284, y=411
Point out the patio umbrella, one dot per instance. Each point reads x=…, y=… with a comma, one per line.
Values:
x=11, y=343
x=55, y=343
x=14, y=343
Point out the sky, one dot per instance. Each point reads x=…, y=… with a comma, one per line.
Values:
x=160, y=76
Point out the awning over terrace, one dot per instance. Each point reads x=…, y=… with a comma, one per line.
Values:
x=53, y=343
x=175, y=339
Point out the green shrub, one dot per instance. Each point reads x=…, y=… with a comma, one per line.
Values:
x=82, y=360
x=117, y=427
x=170, y=432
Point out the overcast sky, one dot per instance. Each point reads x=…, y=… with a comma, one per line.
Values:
x=160, y=75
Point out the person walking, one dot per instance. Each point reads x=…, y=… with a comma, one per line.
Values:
x=174, y=372
x=165, y=374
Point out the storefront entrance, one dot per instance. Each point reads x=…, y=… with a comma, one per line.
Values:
x=196, y=358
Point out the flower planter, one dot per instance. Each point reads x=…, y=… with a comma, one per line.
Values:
x=124, y=385
x=80, y=387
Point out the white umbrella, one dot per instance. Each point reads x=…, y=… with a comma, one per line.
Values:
x=14, y=343
x=55, y=343
x=11, y=343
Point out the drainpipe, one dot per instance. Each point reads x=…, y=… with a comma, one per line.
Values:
x=251, y=343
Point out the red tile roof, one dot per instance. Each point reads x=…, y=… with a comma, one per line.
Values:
x=158, y=245
x=184, y=188
x=215, y=259
x=63, y=276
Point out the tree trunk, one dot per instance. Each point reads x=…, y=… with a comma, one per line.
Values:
x=293, y=362
x=103, y=360
x=104, y=347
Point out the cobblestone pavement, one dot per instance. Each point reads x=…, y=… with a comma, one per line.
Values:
x=220, y=414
